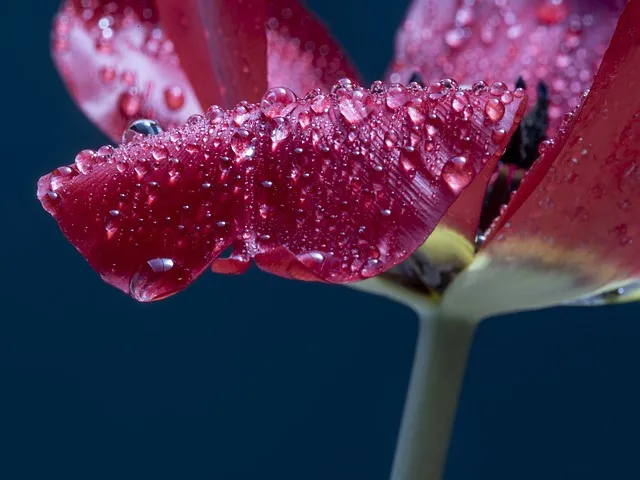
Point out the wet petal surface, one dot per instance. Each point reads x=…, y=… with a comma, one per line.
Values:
x=118, y=64
x=334, y=187
x=572, y=227
x=560, y=42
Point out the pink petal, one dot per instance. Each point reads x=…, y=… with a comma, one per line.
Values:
x=335, y=187
x=118, y=65
x=560, y=42
x=577, y=210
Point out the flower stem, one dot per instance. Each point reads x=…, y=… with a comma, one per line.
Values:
x=431, y=404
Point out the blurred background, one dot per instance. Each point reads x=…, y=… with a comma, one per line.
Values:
x=254, y=376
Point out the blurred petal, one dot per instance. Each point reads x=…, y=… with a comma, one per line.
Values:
x=302, y=54
x=222, y=47
x=572, y=227
x=118, y=65
x=560, y=42
x=336, y=187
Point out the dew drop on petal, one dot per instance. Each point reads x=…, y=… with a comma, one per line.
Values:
x=85, y=161
x=458, y=173
x=494, y=110
x=156, y=279
x=277, y=102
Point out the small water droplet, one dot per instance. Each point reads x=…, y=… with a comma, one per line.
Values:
x=129, y=103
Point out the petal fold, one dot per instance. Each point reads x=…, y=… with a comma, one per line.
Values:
x=572, y=228
x=333, y=187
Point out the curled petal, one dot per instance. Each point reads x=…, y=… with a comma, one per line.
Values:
x=119, y=66
x=572, y=227
x=333, y=187
x=558, y=42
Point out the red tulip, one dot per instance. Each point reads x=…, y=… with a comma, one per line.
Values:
x=321, y=179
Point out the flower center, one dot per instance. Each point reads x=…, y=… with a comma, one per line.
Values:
x=426, y=276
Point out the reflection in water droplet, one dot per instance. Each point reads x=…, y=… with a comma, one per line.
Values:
x=142, y=127
x=157, y=278
x=85, y=161
x=458, y=173
x=278, y=102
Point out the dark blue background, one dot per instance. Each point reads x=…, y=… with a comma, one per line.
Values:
x=253, y=376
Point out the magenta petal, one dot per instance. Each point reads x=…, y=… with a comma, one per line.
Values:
x=336, y=187
x=118, y=65
x=558, y=42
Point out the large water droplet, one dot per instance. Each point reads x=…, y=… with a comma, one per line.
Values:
x=278, y=102
x=458, y=173
x=494, y=110
x=85, y=161
x=396, y=96
x=142, y=127
x=156, y=279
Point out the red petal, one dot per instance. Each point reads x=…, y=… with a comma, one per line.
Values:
x=559, y=42
x=335, y=187
x=222, y=47
x=118, y=65
x=302, y=54
x=582, y=197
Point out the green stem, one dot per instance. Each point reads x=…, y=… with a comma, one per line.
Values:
x=431, y=404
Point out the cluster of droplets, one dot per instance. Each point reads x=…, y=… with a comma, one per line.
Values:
x=335, y=177
x=559, y=42
x=112, y=28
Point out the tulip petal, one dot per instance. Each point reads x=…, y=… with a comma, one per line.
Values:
x=572, y=227
x=302, y=54
x=118, y=64
x=336, y=187
x=558, y=42
x=222, y=47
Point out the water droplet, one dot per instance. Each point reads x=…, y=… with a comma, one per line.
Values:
x=396, y=96
x=129, y=104
x=454, y=37
x=242, y=145
x=552, y=12
x=215, y=114
x=280, y=133
x=458, y=173
x=312, y=259
x=377, y=87
x=173, y=97
x=494, y=110
x=497, y=89
x=278, y=102
x=321, y=104
x=107, y=74
x=498, y=135
x=460, y=100
x=343, y=84
x=157, y=279
x=141, y=127
x=85, y=161
x=352, y=107
x=371, y=268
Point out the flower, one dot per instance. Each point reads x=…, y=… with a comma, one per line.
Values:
x=346, y=183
